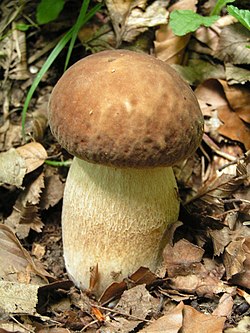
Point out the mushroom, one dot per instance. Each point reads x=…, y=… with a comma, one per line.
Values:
x=127, y=117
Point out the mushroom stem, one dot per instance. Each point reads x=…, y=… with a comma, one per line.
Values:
x=115, y=218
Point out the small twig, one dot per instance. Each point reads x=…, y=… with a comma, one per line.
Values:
x=21, y=325
x=212, y=145
x=236, y=200
x=231, y=163
x=122, y=313
x=89, y=324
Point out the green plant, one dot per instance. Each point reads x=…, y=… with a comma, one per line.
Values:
x=184, y=21
x=242, y=15
x=48, y=10
x=71, y=35
x=219, y=5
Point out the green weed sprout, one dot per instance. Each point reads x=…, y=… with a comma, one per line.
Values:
x=71, y=35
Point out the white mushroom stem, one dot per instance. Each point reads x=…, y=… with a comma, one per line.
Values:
x=115, y=218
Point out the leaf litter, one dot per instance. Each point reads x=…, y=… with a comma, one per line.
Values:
x=203, y=284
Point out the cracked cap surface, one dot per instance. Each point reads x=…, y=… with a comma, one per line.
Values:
x=125, y=109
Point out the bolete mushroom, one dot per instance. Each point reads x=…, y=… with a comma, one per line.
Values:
x=127, y=117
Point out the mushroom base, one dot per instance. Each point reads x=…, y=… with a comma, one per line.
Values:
x=116, y=219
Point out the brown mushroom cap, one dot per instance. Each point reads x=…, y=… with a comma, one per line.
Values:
x=125, y=109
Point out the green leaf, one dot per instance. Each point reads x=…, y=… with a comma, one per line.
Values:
x=22, y=26
x=242, y=15
x=48, y=10
x=219, y=5
x=184, y=21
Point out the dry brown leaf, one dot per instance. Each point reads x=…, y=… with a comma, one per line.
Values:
x=243, y=278
x=131, y=17
x=167, y=46
x=225, y=306
x=207, y=39
x=220, y=238
x=171, y=322
x=141, y=276
x=201, y=283
x=180, y=256
x=233, y=127
x=201, y=279
x=53, y=188
x=25, y=215
x=238, y=98
x=15, y=163
x=228, y=107
x=18, y=298
x=198, y=322
x=38, y=250
x=128, y=303
x=236, y=74
x=12, y=168
x=16, y=261
x=232, y=45
x=210, y=96
x=233, y=257
x=120, y=324
x=34, y=155
x=10, y=136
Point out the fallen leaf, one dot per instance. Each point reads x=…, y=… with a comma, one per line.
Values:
x=38, y=250
x=171, y=322
x=10, y=136
x=180, y=256
x=142, y=276
x=120, y=324
x=243, y=278
x=238, y=98
x=18, y=298
x=12, y=168
x=220, y=238
x=130, y=18
x=198, y=322
x=16, y=163
x=210, y=96
x=25, y=215
x=53, y=189
x=225, y=306
x=232, y=45
x=233, y=257
x=207, y=38
x=128, y=303
x=236, y=74
x=34, y=155
x=16, y=261
x=167, y=46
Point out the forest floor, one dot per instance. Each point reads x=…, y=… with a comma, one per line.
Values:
x=204, y=282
